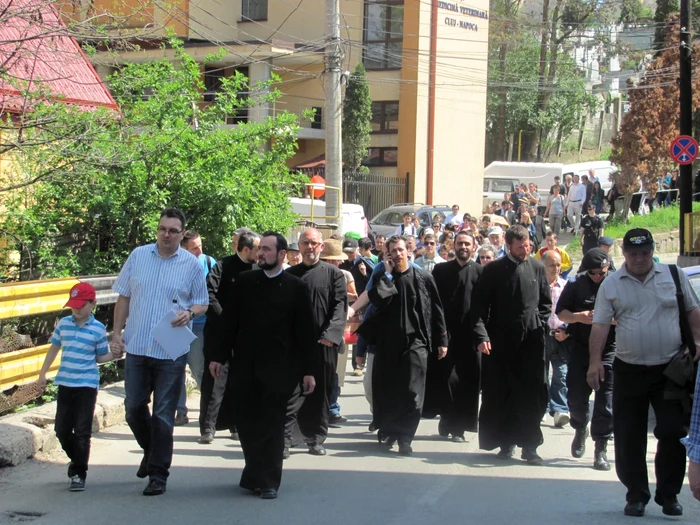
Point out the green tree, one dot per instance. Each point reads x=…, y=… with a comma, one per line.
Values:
x=165, y=148
x=357, y=119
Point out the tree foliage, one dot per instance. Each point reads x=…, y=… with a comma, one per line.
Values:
x=165, y=148
x=357, y=117
x=641, y=148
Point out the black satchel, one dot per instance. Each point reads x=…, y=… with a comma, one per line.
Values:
x=682, y=369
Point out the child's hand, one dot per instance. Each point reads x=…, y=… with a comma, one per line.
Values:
x=41, y=382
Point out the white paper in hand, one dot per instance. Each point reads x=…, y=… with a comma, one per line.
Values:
x=175, y=340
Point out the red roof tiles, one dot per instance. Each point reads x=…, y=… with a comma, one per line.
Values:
x=36, y=51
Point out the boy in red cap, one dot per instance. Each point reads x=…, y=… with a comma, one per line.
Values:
x=84, y=343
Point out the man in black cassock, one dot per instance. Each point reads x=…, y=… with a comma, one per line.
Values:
x=452, y=388
x=329, y=300
x=408, y=324
x=271, y=333
x=215, y=404
x=510, y=308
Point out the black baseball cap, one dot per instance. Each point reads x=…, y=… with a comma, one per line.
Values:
x=350, y=245
x=638, y=240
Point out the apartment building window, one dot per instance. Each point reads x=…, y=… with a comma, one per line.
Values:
x=383, y=34
x=381, y=157
x=254, y=9
x=385, y=117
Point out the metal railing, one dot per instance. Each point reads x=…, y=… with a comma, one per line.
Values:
x=28, y=298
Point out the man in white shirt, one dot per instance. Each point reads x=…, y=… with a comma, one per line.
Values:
x=574, y=203
x=454, y=215
x=407, y=228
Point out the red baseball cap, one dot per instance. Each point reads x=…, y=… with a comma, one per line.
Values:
x=80, y=294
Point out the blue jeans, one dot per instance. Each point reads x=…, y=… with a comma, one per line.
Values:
x=161, y=378
x=557, y=354
x=334, y=407
x=195, y=359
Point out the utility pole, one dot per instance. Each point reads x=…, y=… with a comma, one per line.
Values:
x=333, y=117
x=685, y=185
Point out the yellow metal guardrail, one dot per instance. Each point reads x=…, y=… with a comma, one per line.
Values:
x=38, y=297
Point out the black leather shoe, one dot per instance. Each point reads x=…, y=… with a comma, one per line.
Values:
x=371, y=427
x=154, y=488
x=442, y=430
x=142, y=472
x=458, y=438
x=286, y=454
x=268, y=494
x=206, y=439
x=531, y=456
x=634, y=508
x=234, y=435
x=315, y=450
x=669, y=505
x=578, y=445
x=506, y=452
x=336, y=420
x=405, y=448
x=600, y=460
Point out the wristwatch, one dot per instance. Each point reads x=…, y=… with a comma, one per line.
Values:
x=191, y=314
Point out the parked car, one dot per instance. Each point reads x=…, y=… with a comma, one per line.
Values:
x=693, y=273
x=387, y=220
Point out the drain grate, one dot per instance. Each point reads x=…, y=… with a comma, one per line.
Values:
x=24, y=516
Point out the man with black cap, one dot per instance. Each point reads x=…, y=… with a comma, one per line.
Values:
x=576, y=307
x=350, y=248
x=606, y=244
x=641, y=298
x=591, y=228
x=293, y=255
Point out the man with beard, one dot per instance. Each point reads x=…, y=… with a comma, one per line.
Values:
x=408, y=324
x=510, y=309
x=216, y=396
x=270, y=328
x=329, y=299
x=575, y=306
x=455, y=387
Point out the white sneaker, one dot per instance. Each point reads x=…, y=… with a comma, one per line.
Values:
x=561, y=419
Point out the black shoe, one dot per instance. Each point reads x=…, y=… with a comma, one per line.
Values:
x=506, y=452
x=142, y=472
x=669, y=505
x=234, y=435
x=531, y=456
x=286, y=454
x=77, y=484
x=371, y=427
x=336, y=420
x=315, y=450
x=634, y=508
x=386, y=439
x=181, y=420
x=442, y=429
x=268, y=494
x=578, y=445
x=405, y=448
x=206, y=439
x=458, y=438
x=154, y=488
x=600, y=461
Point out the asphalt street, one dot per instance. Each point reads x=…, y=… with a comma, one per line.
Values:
x=359, y=481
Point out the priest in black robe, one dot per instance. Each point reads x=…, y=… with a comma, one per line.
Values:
x=510, y=308
x=409, y=323
x=329, y=300
x=452, y=388
x=270, y=328
x=215, y=404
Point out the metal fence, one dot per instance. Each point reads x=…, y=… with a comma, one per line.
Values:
x=374, y=191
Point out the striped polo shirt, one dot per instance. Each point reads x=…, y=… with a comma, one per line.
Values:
x=155, y=286
x=648, y=325
x=81, y=345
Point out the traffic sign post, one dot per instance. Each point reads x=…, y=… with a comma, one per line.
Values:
x=684, y=150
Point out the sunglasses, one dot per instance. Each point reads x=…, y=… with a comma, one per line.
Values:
x=594, y=273
x=429, y=243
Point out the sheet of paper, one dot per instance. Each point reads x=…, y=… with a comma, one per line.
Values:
x=175, y=340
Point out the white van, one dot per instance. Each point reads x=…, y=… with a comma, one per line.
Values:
x=352, y=216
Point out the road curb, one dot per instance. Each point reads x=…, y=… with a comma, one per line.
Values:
x=27, y=433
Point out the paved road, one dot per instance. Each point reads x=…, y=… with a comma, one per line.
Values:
x=357, y=483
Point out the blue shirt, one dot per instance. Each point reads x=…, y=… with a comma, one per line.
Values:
x=692, y=442
x=207, y=263
x=156, y=285
x=80, y=347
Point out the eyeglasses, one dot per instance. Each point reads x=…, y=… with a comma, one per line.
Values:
x=313, y=244
x=429, y=243
x=485, y=257
x=594, y=273
x=171, y=231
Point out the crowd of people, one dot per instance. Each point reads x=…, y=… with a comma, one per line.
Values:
x=491, y=340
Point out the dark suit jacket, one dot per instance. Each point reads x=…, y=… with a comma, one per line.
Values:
x=540, y=231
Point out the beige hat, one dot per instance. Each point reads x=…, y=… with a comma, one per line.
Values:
x=333, y=251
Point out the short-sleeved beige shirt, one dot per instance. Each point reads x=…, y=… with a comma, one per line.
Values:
x=648, y=330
